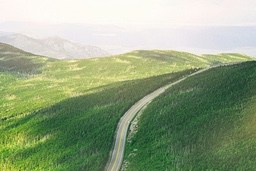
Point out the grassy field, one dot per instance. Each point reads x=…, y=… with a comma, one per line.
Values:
x=207, y=122
x=61, y=115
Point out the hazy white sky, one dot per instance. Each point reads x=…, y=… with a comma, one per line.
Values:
x=160, y=13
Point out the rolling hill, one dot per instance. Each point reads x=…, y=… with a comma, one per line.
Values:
x=206, y=122
x=54, y=47
x=64, y=117
x=18, y=61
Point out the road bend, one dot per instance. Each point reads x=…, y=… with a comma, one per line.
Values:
x=118, y=151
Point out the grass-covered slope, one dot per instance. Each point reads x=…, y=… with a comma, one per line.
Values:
x=18, y=61
x=59, y=80
x=207, y=122
x=74, y=134
x=64, y=117
x=181, y=58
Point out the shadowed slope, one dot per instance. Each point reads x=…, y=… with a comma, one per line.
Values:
x=204, y=123
x=75, y=134
x=18, y=61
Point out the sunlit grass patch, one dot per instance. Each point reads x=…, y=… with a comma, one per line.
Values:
x=10, y=97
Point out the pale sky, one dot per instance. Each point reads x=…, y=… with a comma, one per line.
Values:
x=160, y=13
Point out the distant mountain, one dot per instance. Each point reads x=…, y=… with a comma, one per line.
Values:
x=118, y=39
x=53, y=47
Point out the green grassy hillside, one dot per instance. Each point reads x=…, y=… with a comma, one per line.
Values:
x=18, y=61
x=64, y=117
x=207, y=122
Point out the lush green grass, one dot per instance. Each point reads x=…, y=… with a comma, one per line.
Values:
x=64, y=117
x=207, y=122
x=75, y=134
x=59, y=80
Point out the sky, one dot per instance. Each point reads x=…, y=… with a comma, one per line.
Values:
x=141, y=13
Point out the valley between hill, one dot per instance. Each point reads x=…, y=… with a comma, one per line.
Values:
x=62, y=114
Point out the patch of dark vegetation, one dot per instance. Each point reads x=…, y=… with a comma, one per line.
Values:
x=19, y=62
x=20, y=66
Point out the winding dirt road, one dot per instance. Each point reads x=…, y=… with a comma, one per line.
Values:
x=118, y=151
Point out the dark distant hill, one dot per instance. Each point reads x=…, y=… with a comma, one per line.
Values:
x=16, y=60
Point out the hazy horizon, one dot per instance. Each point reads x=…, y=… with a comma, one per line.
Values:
x=119, y=26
